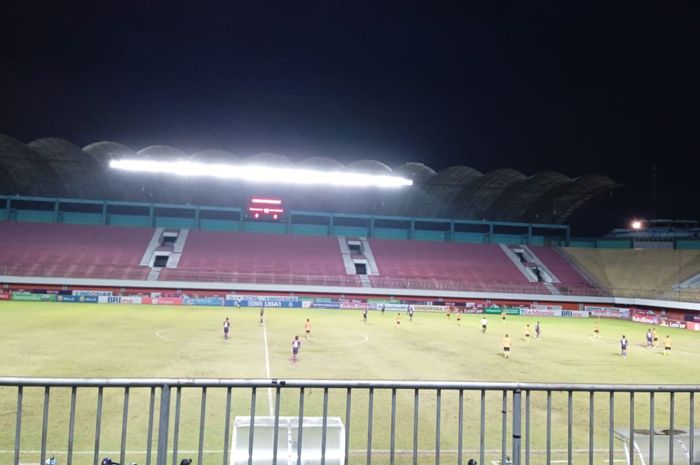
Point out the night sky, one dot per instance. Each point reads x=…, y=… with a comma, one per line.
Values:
x=610, y=88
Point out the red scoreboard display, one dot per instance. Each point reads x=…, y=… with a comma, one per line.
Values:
x=265, y=209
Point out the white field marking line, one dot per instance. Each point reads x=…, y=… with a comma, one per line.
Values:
x=364, y=339
x=267, y=371
x=159, y=334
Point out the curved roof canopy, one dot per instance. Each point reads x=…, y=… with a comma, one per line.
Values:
x=56, y=167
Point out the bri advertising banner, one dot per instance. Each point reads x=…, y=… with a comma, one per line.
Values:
x=120, y=299
x=574, y=313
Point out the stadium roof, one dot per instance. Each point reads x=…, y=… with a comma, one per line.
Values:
x=58, y=168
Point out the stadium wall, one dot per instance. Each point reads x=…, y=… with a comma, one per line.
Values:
x=647, y=311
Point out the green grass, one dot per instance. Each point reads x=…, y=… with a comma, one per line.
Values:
x=82, y=340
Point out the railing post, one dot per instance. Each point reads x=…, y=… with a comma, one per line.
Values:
x=163, y=423
x=516, y=426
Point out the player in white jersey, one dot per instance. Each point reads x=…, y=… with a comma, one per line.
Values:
x=227, y=326
x=296, y=345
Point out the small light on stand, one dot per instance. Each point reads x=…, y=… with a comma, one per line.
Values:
x=636, y=225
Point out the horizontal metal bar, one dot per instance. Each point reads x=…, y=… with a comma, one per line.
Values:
x=353, y=384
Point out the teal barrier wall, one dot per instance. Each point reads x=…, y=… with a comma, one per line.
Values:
x=354, y=231
x=507, y=239
x=391, y=233
x=167, y=222
x=80, y=218
x=279, y=228
x=614, y=244
x=310, y=229
x=139, y=214
x=129, y=220
x=583, y=244
x=687, y=244
x=220, y=225
x=423, y=235
x=474, y=238
x=34, y=216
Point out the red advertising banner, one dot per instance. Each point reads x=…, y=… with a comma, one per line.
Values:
x=5, y=296
x=161, y=300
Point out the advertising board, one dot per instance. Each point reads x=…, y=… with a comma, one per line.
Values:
x=90, y=292
x=608, y=312
x=574, y=313
x=499, y=310
x=540, y=312
x=85, y=299
x=29, y=297
x=120, y=299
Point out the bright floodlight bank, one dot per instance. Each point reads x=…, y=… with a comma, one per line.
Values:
x=262, y=174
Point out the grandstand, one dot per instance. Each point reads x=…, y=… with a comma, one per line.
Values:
x=640, y=273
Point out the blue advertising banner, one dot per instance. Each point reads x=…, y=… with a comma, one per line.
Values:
x=87, y=299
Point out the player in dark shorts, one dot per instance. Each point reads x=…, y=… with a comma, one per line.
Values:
x=398, y=321
x=667, y=345
x=506, y=346
x=227, y=326
x=624, y=343
x=503, y=316
x=538, y=330
x=410, y=313
x=650, y=338
x=307, y=328
x=364, y=315
x=262, y=315
x=296, y=345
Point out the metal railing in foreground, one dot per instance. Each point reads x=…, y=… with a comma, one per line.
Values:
x=396, y=422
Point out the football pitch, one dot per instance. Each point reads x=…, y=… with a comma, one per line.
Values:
x=103, y=341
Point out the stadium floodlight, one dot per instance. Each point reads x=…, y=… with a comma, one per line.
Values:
x=262, y=174
x=636, y=225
